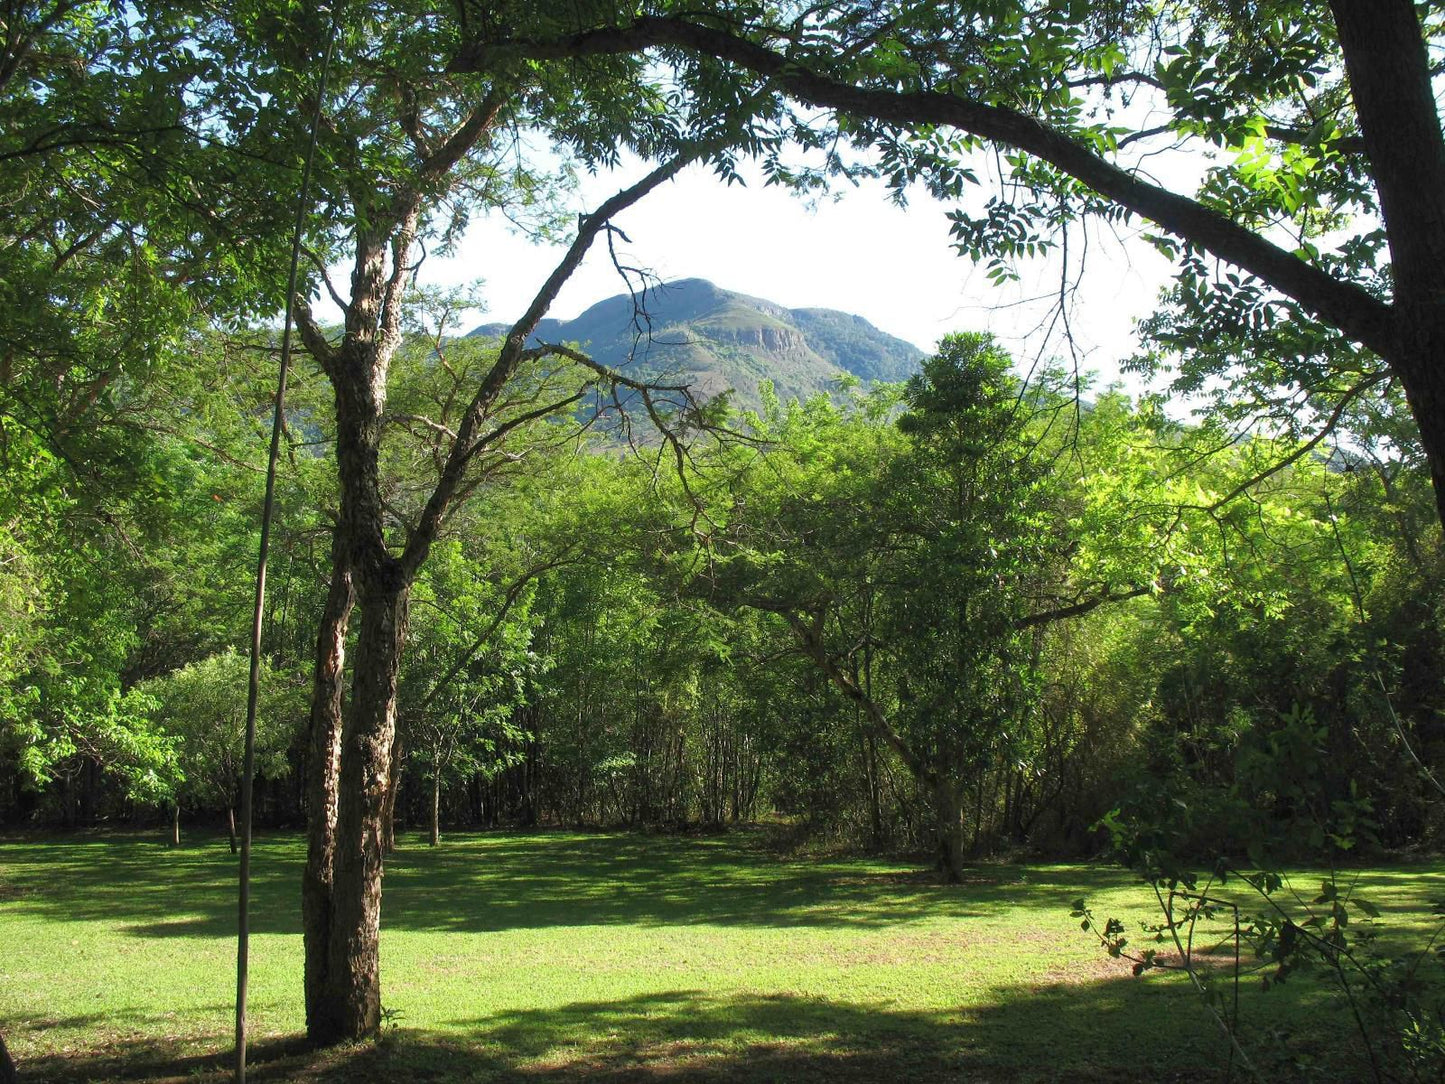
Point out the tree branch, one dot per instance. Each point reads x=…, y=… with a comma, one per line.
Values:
x=508, y=601
x=809, y=636
x=512, y=354
x=1078, y=609
x=1349, y=307
x=465, y=135
x=312, y=337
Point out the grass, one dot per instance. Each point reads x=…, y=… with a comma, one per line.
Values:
x=551, y=957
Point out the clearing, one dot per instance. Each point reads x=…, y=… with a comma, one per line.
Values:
x=566, y=956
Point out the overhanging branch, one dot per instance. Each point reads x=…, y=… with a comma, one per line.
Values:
x=1352, y=309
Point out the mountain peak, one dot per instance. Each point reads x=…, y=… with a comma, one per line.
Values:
x=719, y=339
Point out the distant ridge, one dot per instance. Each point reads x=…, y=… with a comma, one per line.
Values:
x=716, y=339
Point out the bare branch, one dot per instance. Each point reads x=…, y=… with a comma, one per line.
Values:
x=512, y=354
x=1303, y=450
x=810, y=636
x=1079, y=608
x=422, y=420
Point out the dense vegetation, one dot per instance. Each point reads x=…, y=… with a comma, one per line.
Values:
x=979, y=612
x=959, y=597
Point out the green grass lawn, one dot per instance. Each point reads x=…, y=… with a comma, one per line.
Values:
x=552, y=956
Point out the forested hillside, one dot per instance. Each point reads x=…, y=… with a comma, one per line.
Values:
x=718, y=341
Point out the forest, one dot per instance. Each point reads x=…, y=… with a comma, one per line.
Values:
x=993, y=617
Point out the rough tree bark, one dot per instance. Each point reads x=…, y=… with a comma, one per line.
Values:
x=353, y=963
x=351, y=743
x=393, y=787
x=348, y=772
x=323, y=768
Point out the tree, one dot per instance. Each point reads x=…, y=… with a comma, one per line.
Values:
x=166, y=140
x=1327, y=109
x=67, y=713
x=425, y=108
x=203, y=705
x=122, y=202
x=410, y=153
x=915, y=562
x=468, y=670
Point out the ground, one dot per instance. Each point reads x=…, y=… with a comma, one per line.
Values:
x=610, y=957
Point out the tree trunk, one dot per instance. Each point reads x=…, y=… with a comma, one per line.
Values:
x=353, y=1000
x=978, y=815
x=342, y=916
x=393, y=785
x=323, y=768
x=176, y=824
x=8, y=1074
x=948, y=801
x=875, y=788
x=89, y=785
x=231, y=826
x=1389, y=73
x=436, y=808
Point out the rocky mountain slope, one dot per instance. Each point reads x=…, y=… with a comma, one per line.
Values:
x=717, y=339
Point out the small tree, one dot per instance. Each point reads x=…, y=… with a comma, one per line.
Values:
x=204, y=706
x=468, y=668
x=917, y=563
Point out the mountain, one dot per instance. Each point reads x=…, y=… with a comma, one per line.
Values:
x=716, y=339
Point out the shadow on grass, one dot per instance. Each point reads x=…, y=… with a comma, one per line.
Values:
x=138, y=881
x=484, y=883
x=1087, y=1032
x=531, y=882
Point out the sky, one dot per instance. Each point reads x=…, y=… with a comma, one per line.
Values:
x=861, y=254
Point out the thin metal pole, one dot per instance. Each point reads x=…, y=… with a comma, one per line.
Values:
x=248, y=773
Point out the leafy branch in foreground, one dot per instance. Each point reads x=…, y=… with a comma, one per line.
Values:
x=1395, y=999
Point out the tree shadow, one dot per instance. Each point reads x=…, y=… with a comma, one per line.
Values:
x=529, y=883
x=486, y=883
x=1093, y=1032
x=140, y=883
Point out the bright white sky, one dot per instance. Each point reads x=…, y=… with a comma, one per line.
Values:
x=861, y=254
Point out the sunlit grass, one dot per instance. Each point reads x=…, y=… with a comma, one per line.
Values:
x=574, y=956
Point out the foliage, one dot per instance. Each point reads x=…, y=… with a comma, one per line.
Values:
x=469, y=671
x=202, y=707
x=918, y=561
x=1281, y=800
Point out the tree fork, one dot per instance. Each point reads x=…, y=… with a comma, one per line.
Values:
x=352, y=749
